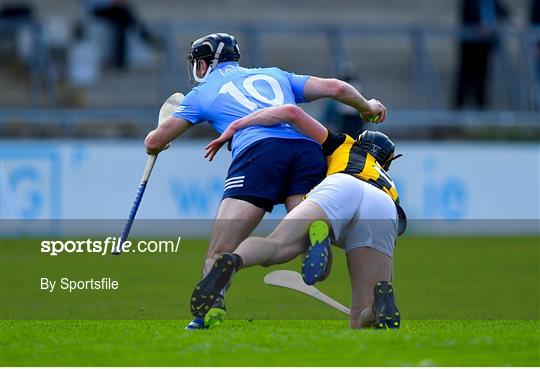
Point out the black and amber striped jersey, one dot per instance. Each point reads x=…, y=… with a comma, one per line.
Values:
x=345, y=155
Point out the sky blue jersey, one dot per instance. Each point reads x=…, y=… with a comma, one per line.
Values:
x=231, y=92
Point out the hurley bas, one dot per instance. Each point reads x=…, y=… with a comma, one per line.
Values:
x=70, y=285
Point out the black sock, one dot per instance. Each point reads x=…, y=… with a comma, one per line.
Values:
x=237, y=262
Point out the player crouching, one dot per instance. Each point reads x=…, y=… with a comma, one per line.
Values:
x=356, y=204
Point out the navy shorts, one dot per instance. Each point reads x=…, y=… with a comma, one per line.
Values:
x=271, y=169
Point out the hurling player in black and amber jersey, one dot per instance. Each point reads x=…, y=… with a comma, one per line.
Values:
x=357, y=205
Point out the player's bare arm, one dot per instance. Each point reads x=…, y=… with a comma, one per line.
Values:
x=371, y=110
x=292, y=114
x=159, y=139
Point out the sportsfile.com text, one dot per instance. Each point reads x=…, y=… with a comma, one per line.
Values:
x=107, y=245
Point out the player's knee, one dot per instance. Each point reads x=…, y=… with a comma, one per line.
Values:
x=356, y=320
x=358, y=324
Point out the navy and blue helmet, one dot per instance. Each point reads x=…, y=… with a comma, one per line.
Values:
x=214, y=48
x=379, y=146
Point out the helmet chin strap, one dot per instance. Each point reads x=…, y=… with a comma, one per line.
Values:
x=217, y=54
x=212, y=66
x=387, y=164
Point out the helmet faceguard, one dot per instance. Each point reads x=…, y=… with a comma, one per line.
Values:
x=379, y=146
x=214, y=48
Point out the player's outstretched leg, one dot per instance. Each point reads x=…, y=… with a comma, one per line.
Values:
x=236, y=219
x=208, y=290
x=318, y=255
x=384, y=306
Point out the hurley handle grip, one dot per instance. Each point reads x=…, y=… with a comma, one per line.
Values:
x=135, y=206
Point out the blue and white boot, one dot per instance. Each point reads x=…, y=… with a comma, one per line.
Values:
x=195, y=324
x=318, y=256
x=214, y=317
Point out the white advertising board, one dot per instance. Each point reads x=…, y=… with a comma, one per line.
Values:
x=98, y=180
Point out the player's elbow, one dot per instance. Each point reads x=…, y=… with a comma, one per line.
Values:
x=335, y=87
x=292, y=112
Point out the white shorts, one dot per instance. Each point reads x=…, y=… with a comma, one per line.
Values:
x=361, y=215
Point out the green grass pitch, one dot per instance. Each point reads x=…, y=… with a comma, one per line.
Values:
x=464, y=301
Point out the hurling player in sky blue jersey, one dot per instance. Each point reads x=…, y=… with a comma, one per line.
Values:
x=271, y=165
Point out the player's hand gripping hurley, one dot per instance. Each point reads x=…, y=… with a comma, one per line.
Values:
x=168, y=107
